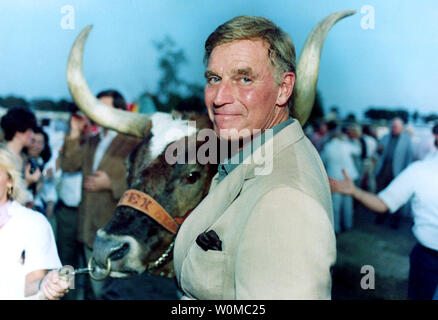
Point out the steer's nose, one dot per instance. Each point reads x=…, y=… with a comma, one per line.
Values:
x=108, y=247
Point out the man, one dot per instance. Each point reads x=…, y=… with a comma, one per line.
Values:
x=369, y=163
x=338, y=153
x=257, y=236
x=419, y=181
x=18, y=125
x=101, y=160
x=354, y=134
x=396, y=153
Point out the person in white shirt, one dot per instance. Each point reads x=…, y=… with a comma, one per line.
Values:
x=418, y=181
x=337, y=154
x=27, y=245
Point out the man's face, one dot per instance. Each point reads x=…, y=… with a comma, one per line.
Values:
x=352, y=133
x=396, y=127
x=27, y=137
x=107, y=100
x=241, y=92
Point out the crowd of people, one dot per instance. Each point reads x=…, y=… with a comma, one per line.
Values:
x=388, y=177
x=76, y=188
x=372, y=158
x=417, y=182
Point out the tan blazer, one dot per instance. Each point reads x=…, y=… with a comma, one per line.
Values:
x=277, y=231
x=97, y=208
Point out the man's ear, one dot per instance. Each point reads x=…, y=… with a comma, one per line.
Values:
x=286, y=87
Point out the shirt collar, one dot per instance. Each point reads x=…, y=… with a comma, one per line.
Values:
x=109, y=135
x=228, y=165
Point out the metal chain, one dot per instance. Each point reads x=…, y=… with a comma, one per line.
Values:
x=162, y=259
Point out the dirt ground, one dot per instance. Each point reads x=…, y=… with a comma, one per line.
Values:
x=380, y=246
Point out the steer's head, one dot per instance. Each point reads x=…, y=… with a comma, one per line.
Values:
x=132, y=240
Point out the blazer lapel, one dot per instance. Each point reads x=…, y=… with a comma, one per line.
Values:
x=88, y=163
x=208, y=211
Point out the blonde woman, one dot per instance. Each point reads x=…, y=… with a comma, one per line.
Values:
x=27, y=245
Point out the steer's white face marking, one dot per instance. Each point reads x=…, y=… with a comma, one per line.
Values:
x=166, y=129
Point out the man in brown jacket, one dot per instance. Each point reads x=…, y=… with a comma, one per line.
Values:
x=101, y=160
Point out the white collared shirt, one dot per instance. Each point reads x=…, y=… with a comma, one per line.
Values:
x=70, y=188
x=27, y=231
x=103, y=145
x=338, y=154
x=419, y=181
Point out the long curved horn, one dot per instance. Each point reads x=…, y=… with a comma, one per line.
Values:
x=308, y=66
x=122, y=121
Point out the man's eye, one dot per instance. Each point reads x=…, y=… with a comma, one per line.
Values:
x=246, y=80
x=213, y=80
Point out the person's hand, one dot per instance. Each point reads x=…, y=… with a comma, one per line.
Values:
x=345, y=186
x=49, y=174
x=77, y=125
x=100, y=181
x=53, y=287
x=31, y=178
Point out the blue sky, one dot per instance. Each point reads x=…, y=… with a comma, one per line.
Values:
x=391, y=65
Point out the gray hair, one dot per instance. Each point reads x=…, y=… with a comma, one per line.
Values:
x=281, y=50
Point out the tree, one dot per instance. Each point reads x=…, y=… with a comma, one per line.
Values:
x=170, y=61
x=174, y=93
x=65, y=105
x=415, y=116
x=386, y=114
x=430, y=117
x=351, y=117
x=44, y=104
x=11, y=102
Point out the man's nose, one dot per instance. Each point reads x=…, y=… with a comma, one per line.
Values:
x=224, y=94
